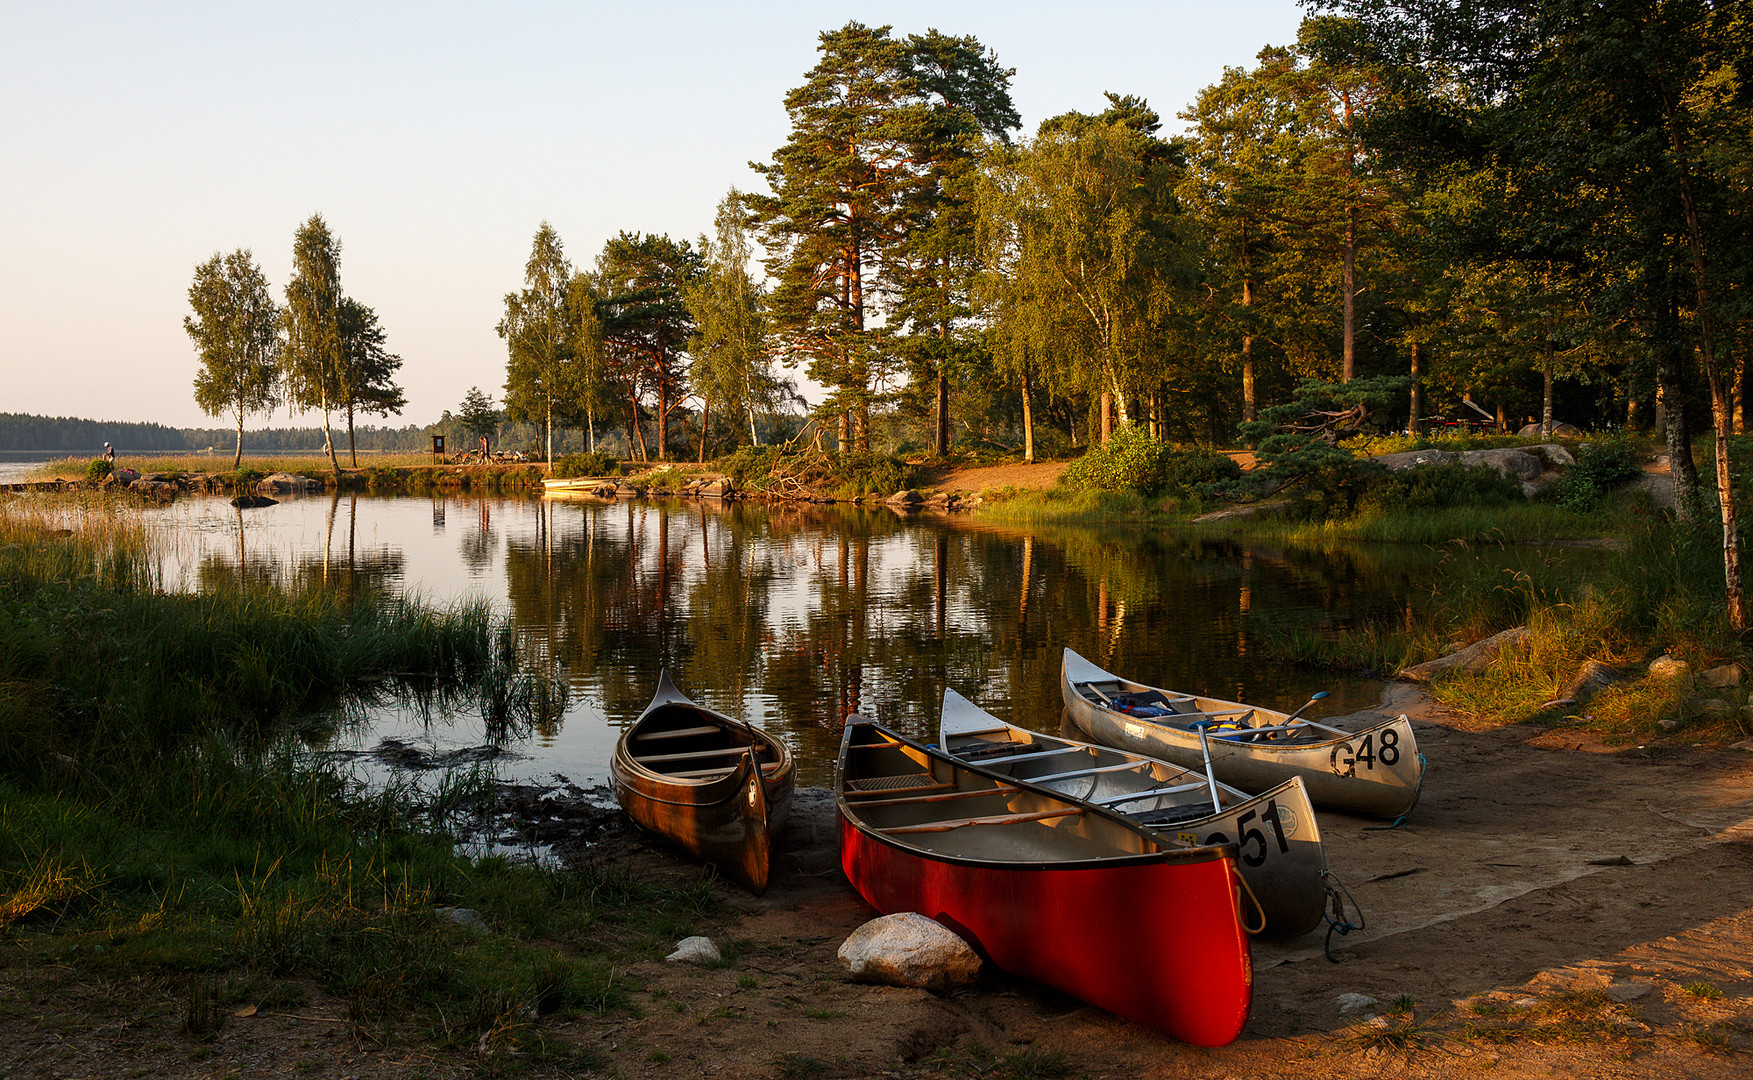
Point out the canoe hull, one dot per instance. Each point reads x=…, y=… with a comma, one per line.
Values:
x=1153, y=936
x=728, y=820
x=1376, y=770
x=1281, y=857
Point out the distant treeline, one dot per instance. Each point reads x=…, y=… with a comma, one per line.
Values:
x=67, y=434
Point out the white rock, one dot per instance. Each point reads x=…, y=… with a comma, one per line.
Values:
x=908, y=949
x=1666, y=667
x=694, y=950
x=1352, y=1002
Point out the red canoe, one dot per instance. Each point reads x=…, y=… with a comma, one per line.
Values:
x=1069, y=895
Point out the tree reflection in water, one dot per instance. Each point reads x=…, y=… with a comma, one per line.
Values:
x=793, y=616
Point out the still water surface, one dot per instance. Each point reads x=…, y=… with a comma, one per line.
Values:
x=793, y=616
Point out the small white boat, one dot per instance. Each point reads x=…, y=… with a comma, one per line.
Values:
x=1279, y=842
x=1375, y=770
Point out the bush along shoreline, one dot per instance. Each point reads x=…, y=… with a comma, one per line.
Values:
x=166, y=820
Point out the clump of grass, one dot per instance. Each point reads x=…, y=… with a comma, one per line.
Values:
x=1398, y=1028
x=1720, y=1039
x=1572, y=1016
x=1702, y=990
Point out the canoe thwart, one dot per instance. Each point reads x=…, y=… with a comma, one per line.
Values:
x=677, y=733
x=729, y=751
x=996, y=819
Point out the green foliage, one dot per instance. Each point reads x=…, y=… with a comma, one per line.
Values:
x=236, y=330
x=1130, y=459
x=852, y=473
x=1600, y=466
x=750, y=466
x=1133, y=460
x=98, y=471
x=1432, y=487
x=587, y=463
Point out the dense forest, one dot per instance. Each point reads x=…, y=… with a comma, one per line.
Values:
x=70, y=435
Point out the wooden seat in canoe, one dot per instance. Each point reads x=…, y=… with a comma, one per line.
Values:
x=677, y=733
x=995, y=819
x=729, y=751
x=768, y=768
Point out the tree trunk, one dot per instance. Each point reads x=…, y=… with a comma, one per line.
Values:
x=1107, y=407
x=1028, y=420
x=705, y=421
x=663, y=420
x=1412, y=425
x=329, y=441
x=548, y=434
x=1348, y=366
x=1670, y=360
x=1248, y=402
x=942, y=440
x=237, y=458
x=352, y=449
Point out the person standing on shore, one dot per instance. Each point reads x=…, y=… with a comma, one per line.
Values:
x=109, y=455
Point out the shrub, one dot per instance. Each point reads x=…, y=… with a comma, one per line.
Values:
x=1130, y=460
x=588, y=463
x=97, y=471
x=1202, y=473
x=1429, y=487
x=853, y=473
x=1600, y=466
x=749, y=466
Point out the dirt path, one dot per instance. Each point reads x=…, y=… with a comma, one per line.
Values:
x=1543, y=884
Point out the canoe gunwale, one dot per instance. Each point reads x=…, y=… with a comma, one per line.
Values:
x=1170, y=850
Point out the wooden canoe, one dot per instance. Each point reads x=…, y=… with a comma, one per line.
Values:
x=1279, y=842
x=712, y=785
x=1375, y=770
x=1065, y=893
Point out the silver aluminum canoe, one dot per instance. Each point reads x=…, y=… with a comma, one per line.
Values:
x=1281, y=857
x=1375, y=770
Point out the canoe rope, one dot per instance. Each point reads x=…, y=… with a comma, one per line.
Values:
x=1258, y=909
x=1337, y=922
x=1401, y=820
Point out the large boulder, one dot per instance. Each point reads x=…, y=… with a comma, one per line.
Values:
x=285, y=483
x=909, y=949
x=1410, y=459
x=907, y=497
x=1515, y=464
x=1473, y=660
x=718, y=489
x=1553, y=454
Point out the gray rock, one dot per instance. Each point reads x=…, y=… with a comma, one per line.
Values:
x=1591, y=679
x=1553, y=454
x=907, y=497
x=1474, y=659
x=1712, y=707
x=1409, y=459
x=1512, y=463
x=1668, y=725
x=695, y=950
x=909, y=949
x=253, y=502
x=718, y=489
x=285, y=483
x=1353, y=1002
x=1629, y=990
x=1666, y=667
x=1722, y=677
x=464, y=917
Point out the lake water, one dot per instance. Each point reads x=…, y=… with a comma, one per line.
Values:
x=794, y=616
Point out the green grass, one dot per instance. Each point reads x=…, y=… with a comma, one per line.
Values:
x=1521, y=523
x=163, y=818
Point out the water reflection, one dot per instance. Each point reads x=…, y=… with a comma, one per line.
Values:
x=793, y=616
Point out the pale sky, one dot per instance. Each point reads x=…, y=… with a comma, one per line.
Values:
x=434, y=138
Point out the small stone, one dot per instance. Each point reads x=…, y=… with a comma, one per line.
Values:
x=1744, y=744
x=1666, y=667
x=909, y=949
x=465, y=917
x=1628, y=991
x=1722, y=677
x=1352, y=1002
x=695, y=950
x=1668, y=725
x=905, y=498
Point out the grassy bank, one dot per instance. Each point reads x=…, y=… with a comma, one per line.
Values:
x=165, y=822
x=386, y=473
